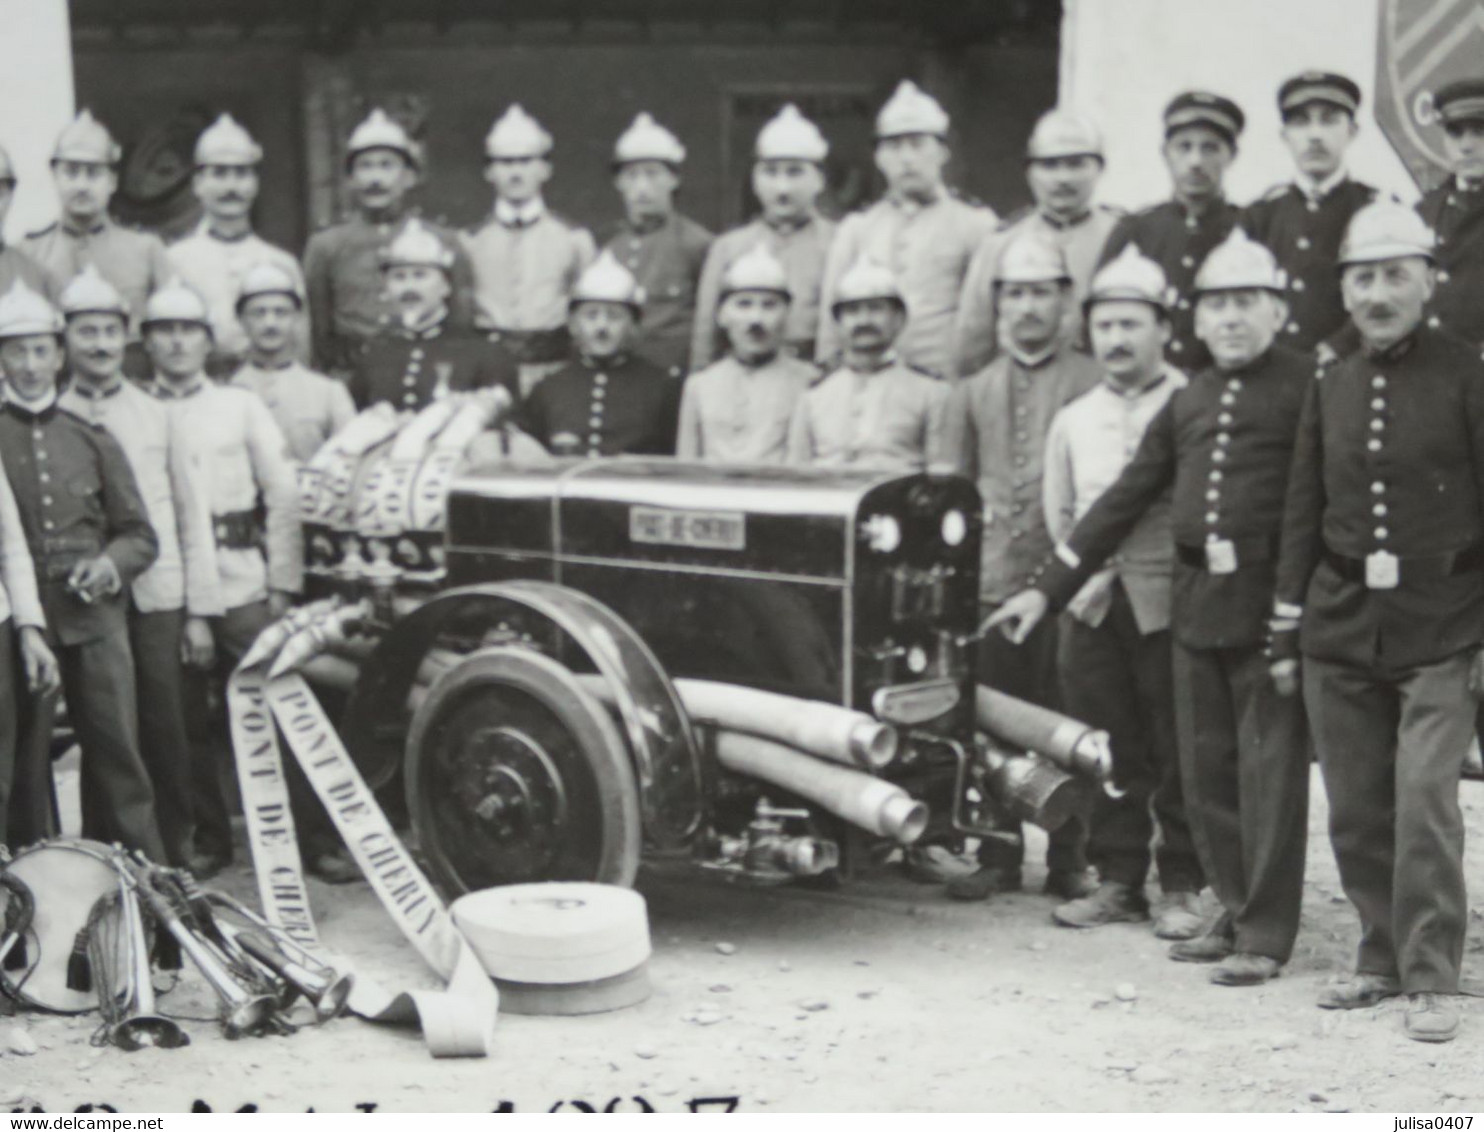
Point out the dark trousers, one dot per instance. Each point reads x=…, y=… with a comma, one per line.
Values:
x=1391, y=746
x=30, y=810
x=1119, y=680
x=1028, y=671
x=1244, y=767
x=214, y=777
x=154, y=639
x=11, y=677
x=118, y=802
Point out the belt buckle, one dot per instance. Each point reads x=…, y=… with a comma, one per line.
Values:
x=1221, y=556
x=1382, y=570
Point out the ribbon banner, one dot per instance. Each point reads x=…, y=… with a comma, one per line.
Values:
x=456, y=1022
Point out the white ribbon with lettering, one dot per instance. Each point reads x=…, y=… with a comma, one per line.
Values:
x=456, y=1022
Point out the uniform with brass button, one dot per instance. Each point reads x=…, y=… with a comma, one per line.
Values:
x=1303, y=221
x=90, y=537
x=1454, y=210
x=1178, y=234
x=1381, y=590
x=663, y=248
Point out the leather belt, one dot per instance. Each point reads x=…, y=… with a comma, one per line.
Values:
x=238, y=530
x=535, y=345
x=1254, y=548
x=1418, y=568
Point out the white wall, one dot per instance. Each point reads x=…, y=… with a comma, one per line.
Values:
x=35, y=102
x=1122, y=60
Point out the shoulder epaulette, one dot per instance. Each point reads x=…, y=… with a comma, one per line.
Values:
x=1112, y=209
x=927, y=373
x=1276, y=191
x=42, y=231
x=1014, y=218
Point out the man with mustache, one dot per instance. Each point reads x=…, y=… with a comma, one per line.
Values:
x=1455, y=211
x=1063, y=163
x=923, y=234
x=874, y=411
x=1201, y=132
x=85, y=169
x=14, y=263
x=664, y=249
x=214, y=258
x=1114, y=653
x=308, y=406
x=168, y=604
x=787, y=177
x=738, y=409
x=527, y=260
x=607, y=400
x=1223, y=446
x=1379, y=614
x=422, y=357
x=347, y=302
x=90, y=537
x=995, y=433
x=1303, y=221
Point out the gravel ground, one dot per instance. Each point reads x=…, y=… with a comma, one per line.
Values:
x=884, y=996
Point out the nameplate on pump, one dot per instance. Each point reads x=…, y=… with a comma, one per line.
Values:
x=708, y=530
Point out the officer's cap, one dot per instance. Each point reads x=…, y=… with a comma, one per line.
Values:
x=866, y=279
x=416, y=245
x=267, y=278
x=756, y=270
x=226, y=142
x=1239, y=263
x=379, y=131
x=1386, y=229
x=515, y=135
x=23, y=312
x=1461, y=101
x=1031, y=258
x=1319, y=86
x=911, y=110
x=647, y=140
x=90, y=293
x=177, y=301
x=608, y=281
x=86, y=140
x=1064, y=133
x=1202, y=108
x=789, y=136
x=1130, y=276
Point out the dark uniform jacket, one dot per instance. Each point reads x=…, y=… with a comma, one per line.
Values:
x=406, y=368
x=667, y=261
x=605, y=408
x=1389, y=456
x=77, y=499
x=1179, y=242
x=1457, y=216
x=1223, y=445
x=1304, y=236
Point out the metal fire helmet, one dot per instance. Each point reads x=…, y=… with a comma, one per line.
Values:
x=90, y=293
x=1240, y=263
x=379, y=131
x=87, y=140
x=911, y=110
x=756, y=270
x=789, y=136
x=177, y=301
x=24, y=312
x=1032, y=258
x=1386, y=230
x=1130, y=275
x=647, y=140
x=516, y=134
x=416, y=245
x=608, y=281
x=1064, y=133
x=226, y=142
x=866, y=279
x=269, y=279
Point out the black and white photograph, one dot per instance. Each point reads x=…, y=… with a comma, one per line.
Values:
x=741, y=556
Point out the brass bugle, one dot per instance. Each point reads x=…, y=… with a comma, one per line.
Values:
x=327, y=989
x=243, y=1011
x=1072, y=745
x=144, y=1026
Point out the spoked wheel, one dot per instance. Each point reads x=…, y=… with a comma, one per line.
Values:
x=516, y=774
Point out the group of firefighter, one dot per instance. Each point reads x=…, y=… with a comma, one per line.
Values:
x=1239, y=449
